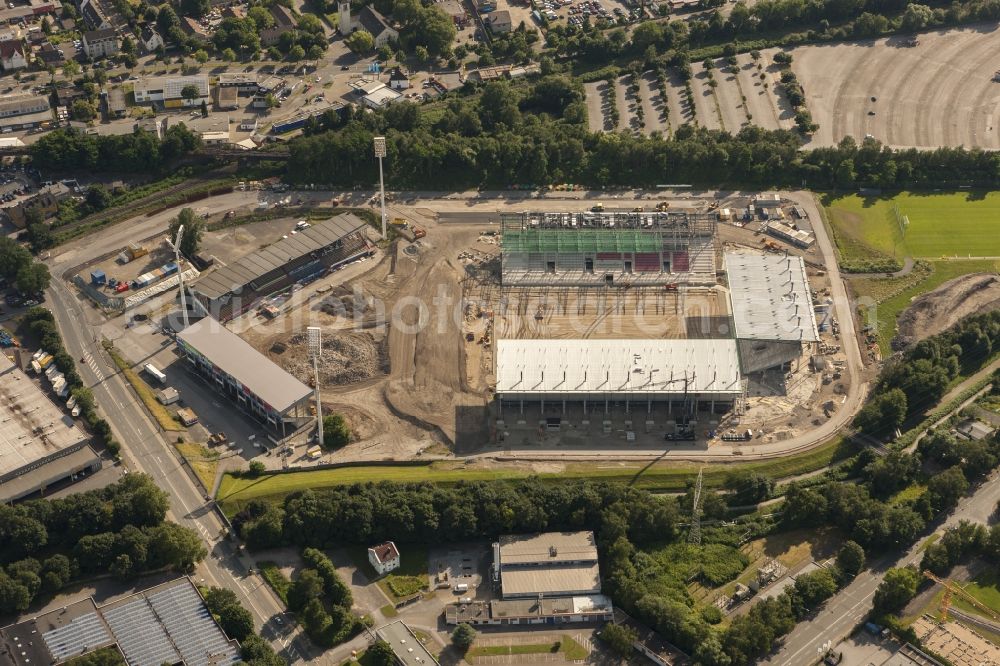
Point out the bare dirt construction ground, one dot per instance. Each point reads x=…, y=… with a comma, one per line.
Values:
x=635, y=313
x=942, y=308
x=393, y=352
x=938, y=93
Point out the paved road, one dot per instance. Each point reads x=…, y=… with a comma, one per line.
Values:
x=146, y=450
x=844, y=611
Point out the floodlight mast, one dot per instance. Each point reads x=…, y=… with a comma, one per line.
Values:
x=315, y=350
x=180, y=273
x=380, y=153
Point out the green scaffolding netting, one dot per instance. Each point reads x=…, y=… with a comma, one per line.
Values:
x=581, y=240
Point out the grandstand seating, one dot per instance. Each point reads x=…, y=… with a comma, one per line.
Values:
x=679, y=262
x=647, y=262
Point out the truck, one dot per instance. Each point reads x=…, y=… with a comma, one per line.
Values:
x=418, y=232
x=187, y=416
x=217, y=438
x=314, y=452
x=399, y=222
x=155, y=373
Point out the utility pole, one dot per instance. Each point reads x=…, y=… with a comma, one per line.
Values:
x=180, y=273
x=380, y=153
x=694, y=536
x=315, y=350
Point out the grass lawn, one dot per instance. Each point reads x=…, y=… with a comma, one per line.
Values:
x=203, y=461
x=162, y=415
x=270, y=572
x=940, y=225
x=570, y=649
x=389, y=611
x=985, y=588
x=409, y=579
x=661, y=477
x=573, y=650
x=990, y=402
x=907, y=494
x=499, y=650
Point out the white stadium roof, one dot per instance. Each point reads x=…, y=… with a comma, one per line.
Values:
x=601, y=367
x=770, y=296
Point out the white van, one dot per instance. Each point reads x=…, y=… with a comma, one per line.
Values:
x=152, y=371
x=461, y=587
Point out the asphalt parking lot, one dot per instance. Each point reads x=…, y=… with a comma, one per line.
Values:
x=463, y=564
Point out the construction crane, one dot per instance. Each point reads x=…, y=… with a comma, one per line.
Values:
x=951, y=588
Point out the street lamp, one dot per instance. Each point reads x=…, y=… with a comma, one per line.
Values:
x=315, y=342
x=380, y=153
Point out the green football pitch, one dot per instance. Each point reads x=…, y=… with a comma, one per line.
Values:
x=959, y=224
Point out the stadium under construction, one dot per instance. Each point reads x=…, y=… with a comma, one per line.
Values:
x=609, y=312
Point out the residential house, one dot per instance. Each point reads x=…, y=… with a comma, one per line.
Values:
x=49, y=55
x=46, y=201
x=284, y=21
x=167, y=90
x=13, y=55
x=67, y=93
x=100, y=43
x=150, y=39
x=499, y=22
x=384, y=557
x=399, y=79
x=94, y=15
x=235, y=11
x=367, y=19
x=195, y=30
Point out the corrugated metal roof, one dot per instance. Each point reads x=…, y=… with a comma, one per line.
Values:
x=771, y=299
x=640, y=367
x=235, y=357
x=240, y=273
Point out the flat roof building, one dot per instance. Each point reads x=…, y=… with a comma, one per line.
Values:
x=165, y=624
x=405, y=645
x=772, y=308
x=39, y=444
x=548, y=564
x=236, y=288
x=552, y=610
x=169, y=90
x=591, y=370
x=255, y=382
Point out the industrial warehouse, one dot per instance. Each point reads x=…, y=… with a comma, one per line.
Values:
x=165, y=624
x=39, y=444
x=300, y=255
x=605, y=313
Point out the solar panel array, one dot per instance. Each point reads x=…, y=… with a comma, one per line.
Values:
x=82, y=634
x=140, y=635
x=190, y=625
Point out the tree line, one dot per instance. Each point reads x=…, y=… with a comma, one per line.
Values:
x=68, y=149
x=120, y=529
x=322, y=602
x=503, y=134
x=915, y=381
